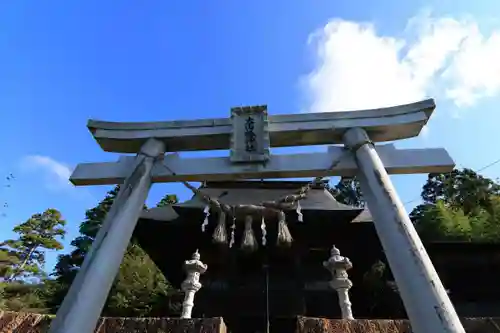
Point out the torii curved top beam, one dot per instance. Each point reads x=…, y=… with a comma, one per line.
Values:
x=384, y=124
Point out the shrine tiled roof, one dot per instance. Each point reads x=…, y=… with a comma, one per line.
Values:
x=255, y=192
x=365, y=216
x=318, y=199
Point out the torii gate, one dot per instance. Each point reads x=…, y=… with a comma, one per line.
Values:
x=249, y=133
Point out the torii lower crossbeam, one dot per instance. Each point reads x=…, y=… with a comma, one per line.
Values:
x=406, y=161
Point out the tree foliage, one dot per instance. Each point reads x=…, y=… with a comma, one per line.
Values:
x=23, y=297
x=139, y=285
x=25, y=256
x=8, y=260
x=140, y=288
x=442, y=222
x=458, y=206
x=381, y=292
x=68, y=264
x=348, y=191
x=464, y=189
x=168, y=199
x=461, y=205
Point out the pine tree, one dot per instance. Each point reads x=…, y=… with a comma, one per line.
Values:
x=26, y=253
x=8, y=259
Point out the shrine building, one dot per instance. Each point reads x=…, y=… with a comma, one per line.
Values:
x=280, y=283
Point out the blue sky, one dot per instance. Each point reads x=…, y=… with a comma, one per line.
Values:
x=63, y=62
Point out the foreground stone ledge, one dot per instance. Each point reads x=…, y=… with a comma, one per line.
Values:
x=321, y=325
x=21, y=322
x=18, y=322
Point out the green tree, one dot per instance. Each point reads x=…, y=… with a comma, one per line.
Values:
x=39, y=233
x=382, y=296
x=461, y=205
x=463, y=189
x=139, y=288
x=68, y=264
x=8, y=259
x=348, y=191
x=168, y=199
x=440, y=222
x=21, y=296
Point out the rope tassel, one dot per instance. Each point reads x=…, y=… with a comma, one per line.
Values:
x=220, y=233
x=264, y=231
x=284, y=237
x=300, y=216
x=249, y=243
x=205, y=221
x=233, y=227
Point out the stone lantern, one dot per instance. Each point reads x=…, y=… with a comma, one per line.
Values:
x=338, y=267
x=191, y=284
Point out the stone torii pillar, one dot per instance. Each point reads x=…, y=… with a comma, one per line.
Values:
x=191, y=285
x=82, y=306
x=426, y=302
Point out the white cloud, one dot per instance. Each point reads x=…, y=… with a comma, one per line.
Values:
x=358, y=68
x=56, y=174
